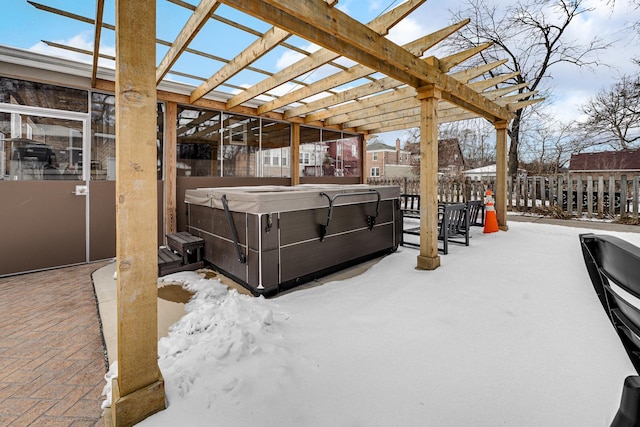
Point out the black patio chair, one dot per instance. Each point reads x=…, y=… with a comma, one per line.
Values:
x=614, y=268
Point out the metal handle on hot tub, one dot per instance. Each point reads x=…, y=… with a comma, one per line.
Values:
x=241, y=257
x=371, y=219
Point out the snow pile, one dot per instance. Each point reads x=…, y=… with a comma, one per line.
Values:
x=107, y=390
x=221, y=331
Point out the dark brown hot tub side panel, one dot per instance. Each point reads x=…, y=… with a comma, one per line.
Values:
x=284, y=249
x=264, y=256
x=219, y=248
x=348, y=239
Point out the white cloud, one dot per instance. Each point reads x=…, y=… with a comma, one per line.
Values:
x=343, y=6
x=407, y=31
x=290, y=57
x=82, y=41
x=374, y=5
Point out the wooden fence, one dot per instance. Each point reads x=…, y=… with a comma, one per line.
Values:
x=562, y=196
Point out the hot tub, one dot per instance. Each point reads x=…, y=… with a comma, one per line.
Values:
x=272, y=238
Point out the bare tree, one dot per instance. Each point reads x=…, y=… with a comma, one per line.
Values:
x=533, y=36
x=554, y=141
x=476, y=139
x=614, y=114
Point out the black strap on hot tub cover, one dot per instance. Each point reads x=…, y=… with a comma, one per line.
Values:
x=371, y=219
x=234, y=234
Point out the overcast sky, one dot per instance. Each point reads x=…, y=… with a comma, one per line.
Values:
x=24, y=26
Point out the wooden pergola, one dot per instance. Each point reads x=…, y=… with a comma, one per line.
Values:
x=402, y=89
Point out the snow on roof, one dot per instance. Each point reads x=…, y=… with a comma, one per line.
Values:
x=490, y=169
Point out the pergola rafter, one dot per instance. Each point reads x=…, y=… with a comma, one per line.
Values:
x=194, y=24
x=257, y=49
x=382, y=24
x=97, y=32
x=386, y=90
x=405, y=99
x=332, y=108
x=417, y=48
x=363, y=45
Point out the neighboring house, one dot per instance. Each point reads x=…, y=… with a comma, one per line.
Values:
x=450, y=158
x=487, y=173
x=616, y=163
x=344, y=157
x=386, y=161
x=330, y=158
x=479, y=174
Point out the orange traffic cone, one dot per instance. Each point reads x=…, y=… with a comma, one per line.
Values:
x=490, y=219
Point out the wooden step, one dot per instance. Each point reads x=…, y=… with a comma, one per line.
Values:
x=186, y=245
x=168, y=262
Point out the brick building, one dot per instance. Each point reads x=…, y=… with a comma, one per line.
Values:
x=383, y=160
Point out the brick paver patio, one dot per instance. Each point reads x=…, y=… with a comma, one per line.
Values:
x=52, y=361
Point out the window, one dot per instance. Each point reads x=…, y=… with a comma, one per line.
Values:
x=211, y=143
x=330, y=153
x=103, y=138
x=375, y=172
x=276, y=138
x=34, y=94
x=45, y=146
x=375, y=156
x=239, y=145
x=42, y=148
x=198, y=134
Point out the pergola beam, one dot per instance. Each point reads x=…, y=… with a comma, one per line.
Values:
x=381, y=24
x=315, y=21
x=360, y=109
x=416, y=47
x=382, y=85
x=409, y=110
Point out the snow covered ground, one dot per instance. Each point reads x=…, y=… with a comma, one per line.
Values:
x=508, y=331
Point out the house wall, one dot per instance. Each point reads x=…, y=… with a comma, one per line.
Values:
x=42, y=217
x=391, y=163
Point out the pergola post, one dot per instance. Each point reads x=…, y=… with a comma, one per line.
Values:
x=501, y=174
x=429, y=96
x=295, y=154
x=170, y=167
x=138, y=391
